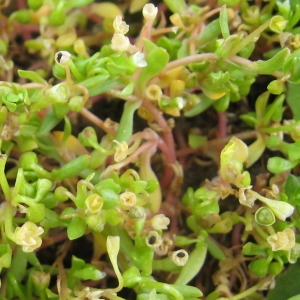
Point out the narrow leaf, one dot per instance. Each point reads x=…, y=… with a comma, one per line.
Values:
x=32, y=76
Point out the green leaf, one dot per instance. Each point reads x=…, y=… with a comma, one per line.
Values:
x=176, y=5
x=196, y=141
x=32, y=76
x=273, y=64
x=95, y=81
x=156, y=60
x=209, y=33
x=125, y=128
x=193, y=265
x=77, y=3
x=278, y=165
x=198, y=108
x=101, y=88
x=292, y=189
x=297, y=297
x=215, y=250
x=287, y=284
x=224, y=22
x=5, y=256
x=76, y=228
x=111, y=198
x=89, y=273
x=136, y=5
x=72, y=168
x=293, y=91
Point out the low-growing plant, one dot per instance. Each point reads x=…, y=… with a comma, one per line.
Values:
x=151, y=160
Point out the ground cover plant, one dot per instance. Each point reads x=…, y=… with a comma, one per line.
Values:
x=149, y=150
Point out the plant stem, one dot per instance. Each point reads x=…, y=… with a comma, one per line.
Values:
x=97, y=121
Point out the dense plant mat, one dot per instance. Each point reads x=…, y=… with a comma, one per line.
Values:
x=149, y=150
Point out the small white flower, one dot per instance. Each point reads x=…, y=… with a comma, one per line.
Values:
x=283, y=240
x=160, y=222
x=121, y=151
x=28, y=236
x=120, y=42
x=94, y=203
x=138, y=59
x=120, y=26
x=150, y=12
x=128, y=200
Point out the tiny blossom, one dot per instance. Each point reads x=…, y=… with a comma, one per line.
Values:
x=282, y=240
x=138, y=59
x=120, y=42
x=62, y=57
x=28, y=236
x=128, y=200
x=160, y=222
x=121, y=151
x=180, y=257
x=150, y=12
x=94, y=203
x=120, y=26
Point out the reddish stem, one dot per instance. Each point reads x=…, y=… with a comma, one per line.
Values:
x=222, y=117
x=166, y=145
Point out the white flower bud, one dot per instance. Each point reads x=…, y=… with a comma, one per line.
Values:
x=150, y=12
x=120, y=26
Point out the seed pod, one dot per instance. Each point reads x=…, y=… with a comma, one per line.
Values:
x=153, y=239
x=180, y=257
x=62, y=57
